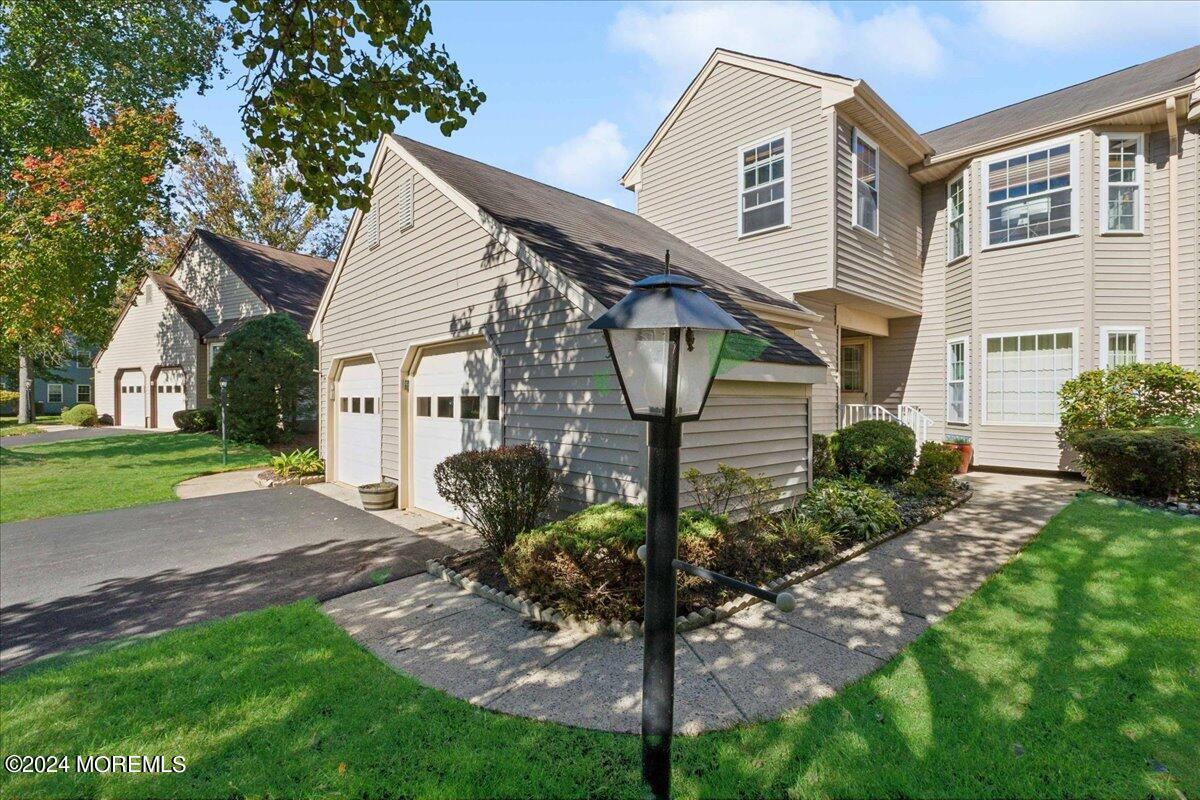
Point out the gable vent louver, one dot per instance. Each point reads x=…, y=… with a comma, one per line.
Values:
x=371, y=224
x=404, y=202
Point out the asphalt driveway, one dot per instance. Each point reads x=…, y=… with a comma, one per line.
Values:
x=68, y=582
x=69, y=434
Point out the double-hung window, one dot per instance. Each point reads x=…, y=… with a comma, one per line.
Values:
x=1121, y=346
x=865, y=162
x=83, y=393
x=763, y=194
x=54, y=393
x=956, y=218
x=1030, y=194
x=1022, y=374
x=1121, y=174
x=957, y=389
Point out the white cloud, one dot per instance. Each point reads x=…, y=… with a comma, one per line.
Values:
x=588, y=163
x=678, y=37
x=1077, y=25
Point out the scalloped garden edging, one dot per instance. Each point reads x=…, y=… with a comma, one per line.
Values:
x=547, y=615
x=268, y=479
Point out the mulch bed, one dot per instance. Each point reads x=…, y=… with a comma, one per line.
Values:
x=480, y=565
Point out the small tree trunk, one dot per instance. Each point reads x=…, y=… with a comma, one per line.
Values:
x=25, y=401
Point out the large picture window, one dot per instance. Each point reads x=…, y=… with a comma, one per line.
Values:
x=763, y=197
x=1030, y=194
x=1022, y=375
x=866, y=183
x=956, y=218
x=957, y=409
x=1121, y=182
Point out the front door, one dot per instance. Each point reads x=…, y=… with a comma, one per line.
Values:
x=856, y=370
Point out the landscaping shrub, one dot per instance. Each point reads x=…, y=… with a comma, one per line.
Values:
x=195, y=420
x=878, y=451
x=83, y=414
x=501, y=491
x=104, y=419
x=849, y=508
x=298, y=464
x=586, y=565
x=732, y=492
x=1143, y=462
x=9, y=396
x=1129, y=396
x=822, y=457
x=270, y=364
x=935, y=470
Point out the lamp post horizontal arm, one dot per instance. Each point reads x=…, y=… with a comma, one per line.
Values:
x=784, y=601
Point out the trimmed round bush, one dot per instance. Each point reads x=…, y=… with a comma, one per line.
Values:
x=195, y=420
x=83, y=414
x=1143, y=462
x=876, y=450
x=850, y=509
x=586, y=565
x=936, y=468
x=501, y=491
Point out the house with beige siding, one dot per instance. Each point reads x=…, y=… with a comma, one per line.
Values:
x=156, y=360
x=950, y=280
x=963, y=274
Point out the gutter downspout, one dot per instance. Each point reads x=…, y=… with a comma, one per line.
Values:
x=1173, y=228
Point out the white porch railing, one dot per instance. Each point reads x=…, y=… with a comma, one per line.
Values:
x=910, y=416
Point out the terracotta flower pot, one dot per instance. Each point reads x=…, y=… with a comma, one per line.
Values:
x=965, y=451
x=377, y=496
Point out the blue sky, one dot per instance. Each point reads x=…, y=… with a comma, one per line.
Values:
x=575, y=89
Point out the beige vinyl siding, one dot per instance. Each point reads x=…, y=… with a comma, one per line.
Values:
x=762, y=428
x=152, y=333
x=884, y=268
x=822, y=339
x=446, y=277
x=1189, y=246
x=691, y=182
x=219, y=292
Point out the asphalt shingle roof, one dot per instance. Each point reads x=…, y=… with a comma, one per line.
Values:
x=288, y=282
x=187, y=308
x=1172, y=72
x=605, y=249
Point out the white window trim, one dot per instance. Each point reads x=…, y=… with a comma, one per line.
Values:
x=62, y=396
x=211, y=355
x=1140, y=162
x=79, y=386
x=966, y=343
x=855, y=135
x=1139, y=353
x=964, y=176
x=786, y=133
x=983, y=372
x=984, y=221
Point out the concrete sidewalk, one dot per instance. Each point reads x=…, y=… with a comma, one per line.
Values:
x=758, y=664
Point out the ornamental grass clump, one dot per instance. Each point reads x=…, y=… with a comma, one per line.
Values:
x=501, y=492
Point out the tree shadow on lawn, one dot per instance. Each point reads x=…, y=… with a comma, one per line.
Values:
x=1065, y=676
x=171, y=598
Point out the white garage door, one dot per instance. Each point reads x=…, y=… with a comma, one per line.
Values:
x=133, y=399
x=359, y=429
x=456, y=401
x=169, y=397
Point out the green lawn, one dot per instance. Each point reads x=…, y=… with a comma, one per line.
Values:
x=9, y=426
x=1074, y=672
x=71, y=477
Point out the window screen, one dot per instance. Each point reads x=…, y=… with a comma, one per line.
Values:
x=764, y=191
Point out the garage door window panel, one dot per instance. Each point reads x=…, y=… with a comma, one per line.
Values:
x=446, y=407
x=469, y=406
x=493, y=407
x=424, y=406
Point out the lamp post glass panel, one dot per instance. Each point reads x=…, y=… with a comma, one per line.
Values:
x=665, y=339
x=224, y=443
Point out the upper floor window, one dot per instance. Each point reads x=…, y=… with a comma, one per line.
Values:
x=1121, y=177
x=866, y=183
x=1030, y=194
x=764, y=193
x=956, y=218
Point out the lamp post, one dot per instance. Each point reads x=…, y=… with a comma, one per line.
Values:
x=665, y=339
x=224, y=381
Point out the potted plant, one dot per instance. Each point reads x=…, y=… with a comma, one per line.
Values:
x=378, y=496
x=963, y=445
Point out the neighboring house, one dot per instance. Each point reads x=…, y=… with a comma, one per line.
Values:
x=457, y=318
x=156, y=361
x=951, y=280
x=964, y=274
x=70, y=385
